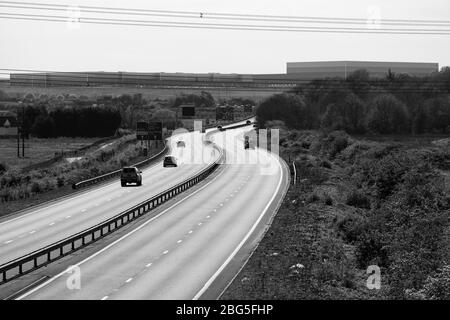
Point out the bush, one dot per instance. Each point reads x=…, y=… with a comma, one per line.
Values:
x=328, y=200
x=437, y=287
x=358, y=199
x=325, y=164
x=60, y=182
x=36, y=187
x=350, y=226
x=313, y=198
x=388, y=115
x=3, y=167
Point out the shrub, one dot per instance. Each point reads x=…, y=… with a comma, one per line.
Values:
x=350, y=226
x=328, y=200
x=3, y=167
x=437, y=286
x=36, y=187
x=388, y=115
x=325, y=164
x=358, y=199
x=60, y=182
x=313, y=198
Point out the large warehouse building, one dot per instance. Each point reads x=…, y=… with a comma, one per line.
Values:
x=296, y=72
x=325, y=69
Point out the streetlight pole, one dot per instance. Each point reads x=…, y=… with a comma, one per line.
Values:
x=23, y=131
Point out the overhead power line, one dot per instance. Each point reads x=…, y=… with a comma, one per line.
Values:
x=221, y=16
x=205, y=14
x=308, y=24
x=146, y=23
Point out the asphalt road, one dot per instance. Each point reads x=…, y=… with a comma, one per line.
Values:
x=51, y=223
x=178, y=253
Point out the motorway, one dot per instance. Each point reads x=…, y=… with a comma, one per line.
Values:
x=50, y=223
x=178, y=253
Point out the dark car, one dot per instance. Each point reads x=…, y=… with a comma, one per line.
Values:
x=219, y=127
x=248, y=122
x=247, y=144
x=181, y=144
x=169, y=161
x=130, y=175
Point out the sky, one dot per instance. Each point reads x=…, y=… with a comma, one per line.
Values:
x=37, y=45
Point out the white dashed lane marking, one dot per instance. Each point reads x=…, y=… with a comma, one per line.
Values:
x=179, y=241
x=104, y=298
x=166, y=252
x=148, y=265
x=129, y=280
x=33, y=231
x=9, y=241
x=51, y=224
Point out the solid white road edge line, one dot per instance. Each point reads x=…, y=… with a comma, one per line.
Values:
x=118, y=240
x=216, y=274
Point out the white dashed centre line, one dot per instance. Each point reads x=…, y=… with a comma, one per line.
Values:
x=68, y=217
x=84, y=210
x=104, y=298
x=148, y=265
x=51, y=224
x=9, y=241
x=207, y=217
x=129, y=280
x=166, y=252
x=179, y=241
x=33, y=231
x=190, y=232
x=199, y=223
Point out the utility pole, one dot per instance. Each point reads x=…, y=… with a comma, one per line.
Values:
x=19, y=131
x=18, y=141
x=23, y=131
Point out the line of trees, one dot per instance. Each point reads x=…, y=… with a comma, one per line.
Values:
x=398, y=104
x=71, y=122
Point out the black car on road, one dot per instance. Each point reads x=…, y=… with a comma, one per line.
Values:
x=170, y=161
x=130, y=175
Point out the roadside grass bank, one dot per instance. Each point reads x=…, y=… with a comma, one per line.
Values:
x=356, y=203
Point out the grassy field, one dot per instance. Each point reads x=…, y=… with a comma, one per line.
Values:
x=147, y=93
x=38, y=150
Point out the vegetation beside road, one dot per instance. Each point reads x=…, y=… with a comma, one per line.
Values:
x=397, y=104
x=39, y=150
x=356, y=203
x=380, y=197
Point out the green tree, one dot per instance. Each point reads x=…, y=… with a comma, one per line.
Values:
x=43, y=127
x=438, y=111
x=348, y=115
x=388, y=115
x=289, y=108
